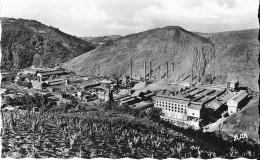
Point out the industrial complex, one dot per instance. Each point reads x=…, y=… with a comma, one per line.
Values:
x=192, y=106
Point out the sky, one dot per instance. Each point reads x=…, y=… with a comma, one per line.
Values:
x=122, y=17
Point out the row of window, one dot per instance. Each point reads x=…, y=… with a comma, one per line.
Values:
x=174, y=109
x=165, y=106
x=162, y=103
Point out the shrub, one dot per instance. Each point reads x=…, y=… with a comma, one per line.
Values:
x=154, y=113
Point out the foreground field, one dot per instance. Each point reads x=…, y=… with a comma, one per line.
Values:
x=99, y=134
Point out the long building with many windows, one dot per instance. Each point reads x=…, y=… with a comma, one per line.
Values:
x=174, y=107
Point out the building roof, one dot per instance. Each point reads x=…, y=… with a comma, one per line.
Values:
x=49, y=73
x=120, y=97
x=239, y=96
x=195, y=107
x=125, y=98
x=87, y=83
x=53, y=98
x=213, y=87
x=30, y=70
x=143, y=105
x=23, y=76
x=55, y=80
x=215, y=104
x=65, y=100
x=56, y=83
x=33, y=77
x=2, y=90
x=173, y=99
x=128, y=100
x=106, y=81
x=223, y=98
x=150, y=94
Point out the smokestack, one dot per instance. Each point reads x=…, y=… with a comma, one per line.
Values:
x=191, y=75
x=199, y=76
x=150, y=74
x=131, y=70
x=144, y=70
x=167, y=73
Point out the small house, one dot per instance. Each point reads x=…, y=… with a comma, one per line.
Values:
x=32, y=78
x=20, y=78
x=39, y=85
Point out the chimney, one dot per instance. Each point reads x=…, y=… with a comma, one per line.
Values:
x=131, y=70
x=167, y=73
x=173, y=67
x=144, y=70
x=191, y=75
x=199, y=76
x=150, y=74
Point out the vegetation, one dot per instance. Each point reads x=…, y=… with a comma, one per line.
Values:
x=27, y=42
x=102, y=130
x=25, y=84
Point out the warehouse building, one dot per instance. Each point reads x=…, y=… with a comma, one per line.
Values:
x=51, y=73
x=190, y=106
x=236, y=102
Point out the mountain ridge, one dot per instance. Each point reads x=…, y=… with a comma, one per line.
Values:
x=29, y=42
x=176, y=45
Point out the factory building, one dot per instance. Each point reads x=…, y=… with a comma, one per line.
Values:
x=39, y=85
x=190, y=106
x=180, y=110
x=88, y=84
x=236, y=102
x=215, y=107
x=57, y=81
x=51, y=73
x=194, y=114
x=174, y=108
x=125, y=99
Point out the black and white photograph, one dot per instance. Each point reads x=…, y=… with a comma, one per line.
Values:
x=135, y=79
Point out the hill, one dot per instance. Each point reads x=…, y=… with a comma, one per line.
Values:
x=245, y=121
x=101, y=40
x=28, y=42
x=216, y=57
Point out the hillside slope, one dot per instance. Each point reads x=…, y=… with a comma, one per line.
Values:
x=245, y=121
x=101, y=40
x=216, y=56
x=237, y=54
x=28, y=42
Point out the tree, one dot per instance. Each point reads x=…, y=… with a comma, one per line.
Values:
x=28, y=85
x=106, y=106
x=74, y=101
x=154, y=113
x=66, y=107
x=142, y=113
x=7, y=100
x=124, y=108
x=135, y=112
